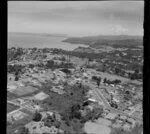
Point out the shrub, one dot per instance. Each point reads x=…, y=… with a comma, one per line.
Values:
x=24, y=130
x=37, y=116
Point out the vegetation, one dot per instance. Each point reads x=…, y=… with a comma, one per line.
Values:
x=15, y=53
x=123, y=62
x=69, y=105
x=37, y=116
x=24, y=131
x=65, y=70
x=52, y=65
x=136, y=75
x=115, y=61
x=115, y=41
x=61, y=103
x=136, y=130
x=97, y=79
x=11, y=107
x=51, y=121
x=16, y=69
x=112, y=82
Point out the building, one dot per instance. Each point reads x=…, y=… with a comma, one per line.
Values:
x=126, y=127
x=123, y=118
x=57, y=89
x=111, y=116
x=41, y=96
x=116, y=125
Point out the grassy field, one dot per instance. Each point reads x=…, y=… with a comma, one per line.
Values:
x=24, y=90
x=11, y=107
x=11, y=96
x=61, y=103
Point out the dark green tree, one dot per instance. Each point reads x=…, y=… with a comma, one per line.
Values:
x=37, y=116
x=24, y=131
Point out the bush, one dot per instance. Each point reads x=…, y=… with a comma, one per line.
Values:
x=37, y=117
x=24, y=130
x=65, y=70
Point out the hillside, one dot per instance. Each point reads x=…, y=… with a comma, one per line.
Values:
x=114, y=41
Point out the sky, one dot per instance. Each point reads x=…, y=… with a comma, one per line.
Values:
x=77, y=18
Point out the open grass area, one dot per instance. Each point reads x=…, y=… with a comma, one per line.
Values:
x=24, y=90
x=11, y=107
x=61, y=103
x=11, y=96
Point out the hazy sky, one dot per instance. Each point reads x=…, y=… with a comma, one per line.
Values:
x=76, y=18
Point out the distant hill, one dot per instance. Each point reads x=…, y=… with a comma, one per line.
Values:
x=96, y=41
x=39, y=34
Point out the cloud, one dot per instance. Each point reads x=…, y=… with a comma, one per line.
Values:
x=79, y=16
x=119, y=29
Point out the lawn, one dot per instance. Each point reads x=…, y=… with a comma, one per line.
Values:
x=11, y=96
x=61, y=103
x=11, y=107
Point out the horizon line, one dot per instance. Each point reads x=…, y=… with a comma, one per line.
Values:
x=79, y=36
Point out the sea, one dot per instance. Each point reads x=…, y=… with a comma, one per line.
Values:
x=40, y=41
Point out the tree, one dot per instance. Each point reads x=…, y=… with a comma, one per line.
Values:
x=96, y=113
x=90, y=59
x=37, y=116
x=65, y=70
x=105, y=80
x=136, y=71
x=16, y=78
x=24, y=130
x=98, y=81
x=63, y=58
x=80, y=85
x=94, y=78
x=75, y=113
x=104, y=68
x=50, y=64
x=117, y=70
x=31, y=66
x=65, y=83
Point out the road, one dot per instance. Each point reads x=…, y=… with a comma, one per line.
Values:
x=100, y=96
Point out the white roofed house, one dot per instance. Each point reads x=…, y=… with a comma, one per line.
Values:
x=131, y=121
x=116, y=125
x=41, y=96
x=123, y=118
x=116, y=99
x=111, y=116
x=78, y=80
x=57, y=89
x=126, y=127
